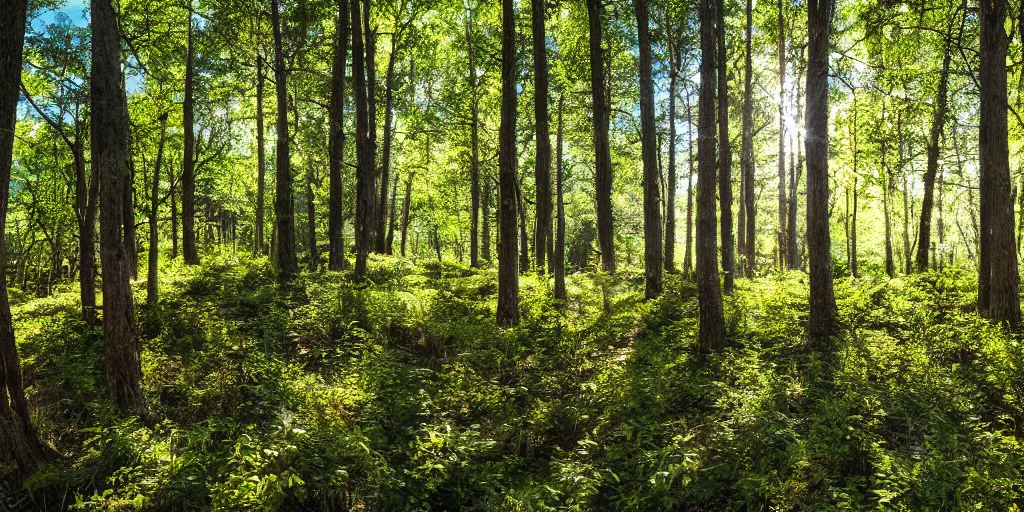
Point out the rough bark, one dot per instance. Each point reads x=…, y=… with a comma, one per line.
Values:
x=364, y=147
x=336, y=218
x=652, y=194
x=284, y=203
x=747, y=152
x=822, y=321
x=405, y=210
x=385, y=161
x=709, y=292
x=602, y=148
x=110, y=153
x=724, y=156
x=542, y=163
x=924, y=231
x=670, y=193
x=508, y=266
x=188, y=169
x=999, y=298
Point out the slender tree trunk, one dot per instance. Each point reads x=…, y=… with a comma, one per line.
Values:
x=474, y=165
x=284, y=204
x=152, y=284
x=688, y=257
x=652, y=199
x=999, y=282
x=389, y=246
x=336, y=215
x=542, y=163
x=796, y=167
x=524, y=239
x=602, y=148
x=110, y=152
x=670, y=192
x=783, y=257
x=364, y=147
x=725, y=156
x=485, y=235
x=709, y=293
x=370, y=68
x=261, y=162
x=172, y=193
x=19, y=443
x=385, y=161
x=924, y=231
x=188, y=169
x=822, y=321
x=853, y=233
x=86, y=197
x=560, y=233
x=131, y=248
x=405, y=210
x=747, y=151
x=508, y=271
x=314, y=254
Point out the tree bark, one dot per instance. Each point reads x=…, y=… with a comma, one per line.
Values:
x=364, y=148
x=389, y=245
x=999, y=281
x=405, y=210
x=688, y=257
x=747, y=151
x=670, y=193
x=474, y=164
x=652, y=196
x=559, y=255
x=602, y=148
x=385, y=161
x=822, y=321
x=152, y=277
x=542, y=167
x=709, y=293
x=924, y=231
x=284, y=203
x=508, y=267
x=724, y=156
x=781, y=233
x=110, y=152
x=188, y=169
x=370, y=68
x=336, y=216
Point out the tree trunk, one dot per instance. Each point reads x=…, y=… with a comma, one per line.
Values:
x=795, y=170
x=152, y=285
x=474, y=164
x=783, y=257
x=188, y=169
x=924, y=231
x=261, y=161
x=385, y=161
x=172, y=193
x=405, y=210
x=559, y=255
x=725, y=156
x=110, y=152
x=652, y=199
x=364, y=148
x=602, y=148
x=314, y=254
x=389, y=245
x=542, y=168
x=336, y=215
x=370, y=68
x=19, y=442
x=284, y=204
x=688, y=258
x=485, y=212
x=822, y=300
x=670, y=192
x=1000, y=279
x=709, y=293
x=508, y=267
x=131, y=248
x=747, y=152
x=524, y=239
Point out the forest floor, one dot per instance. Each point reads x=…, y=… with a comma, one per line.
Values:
x=403, y=395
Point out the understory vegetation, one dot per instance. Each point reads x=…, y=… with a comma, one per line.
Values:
x=403, y=394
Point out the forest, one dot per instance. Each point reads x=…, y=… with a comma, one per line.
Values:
x=382, y=255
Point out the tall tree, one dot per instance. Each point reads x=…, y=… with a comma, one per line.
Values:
x=652, y=196
x=688, y=257
x=188, y=169
x=336, y=219
x=19, y=442
x=542, y=163
x=110, y=152
x=670, y=192
x=724, y=155
x=261, y=161
x=474, y=164
x=153, y=275
x=823, y=301
x=781, y=233
x=709, y=292
x=559, y=255
x=748, y=205
x=924, y=232
x=284, y=203
x=999, y=280
x=508, y=266
x=364, y=147
x=602, y=147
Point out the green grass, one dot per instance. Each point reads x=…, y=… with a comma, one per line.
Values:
x=404, y=395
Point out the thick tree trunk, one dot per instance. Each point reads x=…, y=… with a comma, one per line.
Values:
x=284, y=203
x=999, y=281
x=19, y=442
x=508, y=267
x=364, y=147
x=261, y=161
x=749, y=205
x=709, y=293
x=474, y=164
x=559, y=255
x=110, y=152
x=652, y=196
x=188, y=169
x=781, y=233
x=822, y=321
x=602, y=148
x=724, y=156
x=924, y=231
x=336, y=216
x=152, y=277
x=542, y=163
